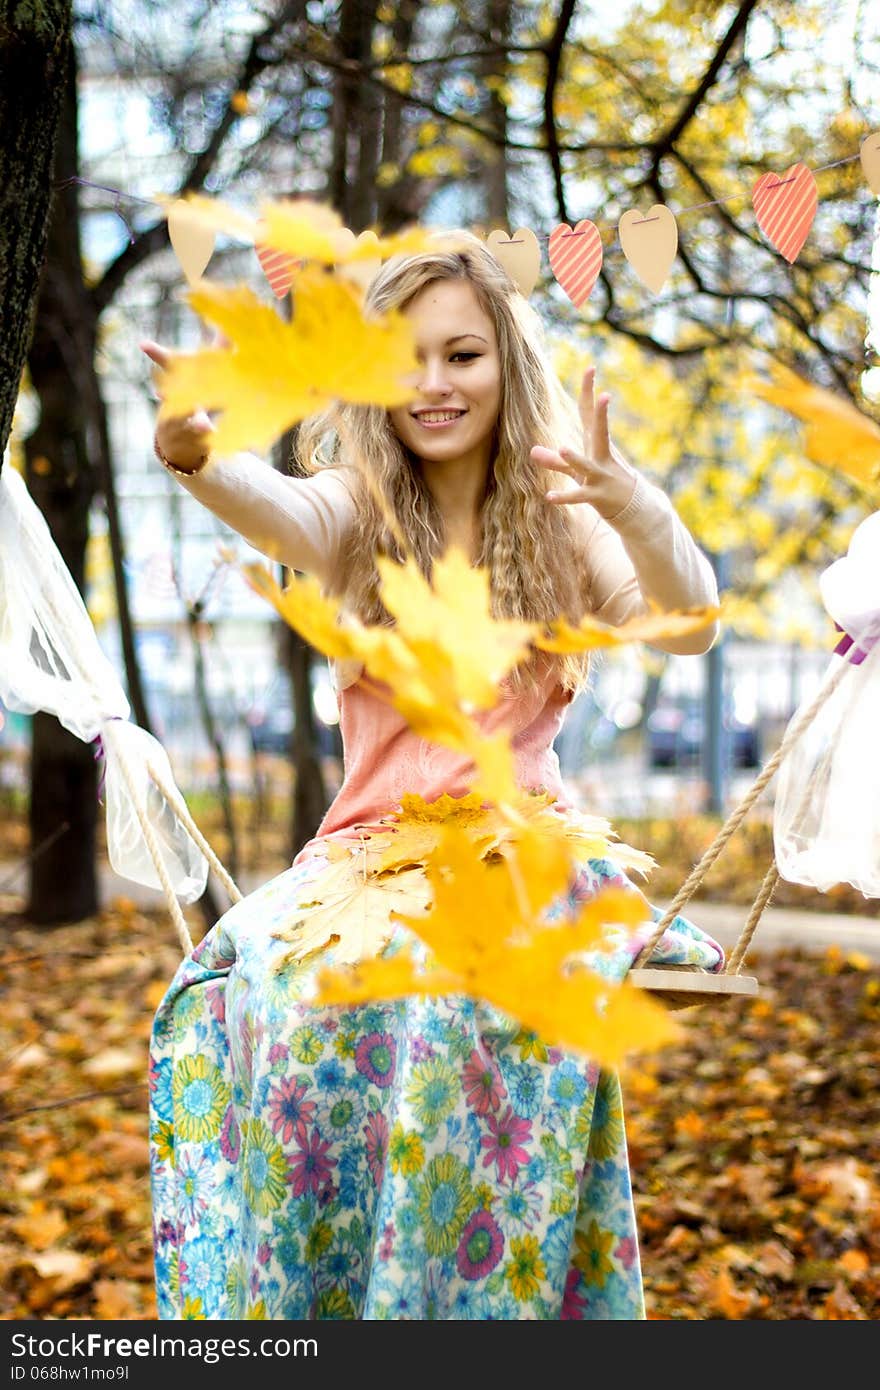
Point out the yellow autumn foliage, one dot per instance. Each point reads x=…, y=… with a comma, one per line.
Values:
x=272, y=373
x=590, y=633
x=837, y=434
x=484, y=940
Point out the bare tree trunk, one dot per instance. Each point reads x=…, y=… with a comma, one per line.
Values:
x=309, y=789
x=357, y=112
x=61, y=479
x=100, y=437
x=310, y=799
x=496, y=172
x=34, y=62
x=398, y=201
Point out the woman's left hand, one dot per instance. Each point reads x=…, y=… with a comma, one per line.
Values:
x=601, y=474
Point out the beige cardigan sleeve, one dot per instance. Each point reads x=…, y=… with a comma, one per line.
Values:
x=646, y=555
x=300, y=522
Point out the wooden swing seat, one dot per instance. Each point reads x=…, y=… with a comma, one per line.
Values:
x=698, y=986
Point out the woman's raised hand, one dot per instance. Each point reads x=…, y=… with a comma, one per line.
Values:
x=601, y=474
x=184, y=441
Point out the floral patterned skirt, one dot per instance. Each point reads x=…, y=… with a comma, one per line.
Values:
x=424, y=1158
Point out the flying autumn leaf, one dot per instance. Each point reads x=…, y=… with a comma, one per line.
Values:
x=302, y=228
x=484, y=940
x=450, y=619
x=304, y=606
x=589, y=633
x=291, y=226
x=270, y=373
x=837, y=434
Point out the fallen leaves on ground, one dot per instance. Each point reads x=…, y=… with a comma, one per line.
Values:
x=755, y=1149
x=754, y=1140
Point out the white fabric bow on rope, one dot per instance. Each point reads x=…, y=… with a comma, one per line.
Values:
x=826, y=814
x=50, y=660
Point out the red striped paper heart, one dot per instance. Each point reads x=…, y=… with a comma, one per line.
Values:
x=785, y=205
x=576, y=259
x=278, y=268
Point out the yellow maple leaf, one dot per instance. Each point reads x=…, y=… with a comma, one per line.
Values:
x=541, y=867
x=593, y=837
x=467, y=810
x=484, y=940
x=271, y=373
x=450, y=621
x=295, y=227
x=494, y=777
x=303, y=605
x=837, y=434
x=386, y=977
x=354, y=912
x=431, y=717
x=412, y=836
x=589, y=633
x=302, y=228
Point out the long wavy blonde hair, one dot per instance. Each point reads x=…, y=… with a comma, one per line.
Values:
x=527, y=545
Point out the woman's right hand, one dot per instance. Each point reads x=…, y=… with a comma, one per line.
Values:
x=184, y=441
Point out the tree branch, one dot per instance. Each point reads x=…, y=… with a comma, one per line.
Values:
x=555, y=50
x=156, y=238
x=676, y=130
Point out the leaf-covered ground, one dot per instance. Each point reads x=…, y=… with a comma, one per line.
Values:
x=755, y=1141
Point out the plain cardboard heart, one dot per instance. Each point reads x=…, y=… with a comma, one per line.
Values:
x=520, y=254
x=191, y=241
x=364, y=270
x=869, y=154
x=785, y=205
x=576, y=259
x=649, y=243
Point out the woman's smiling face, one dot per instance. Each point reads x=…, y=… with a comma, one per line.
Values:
x=453, y=413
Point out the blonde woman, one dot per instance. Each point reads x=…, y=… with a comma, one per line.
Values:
x=422, y=1158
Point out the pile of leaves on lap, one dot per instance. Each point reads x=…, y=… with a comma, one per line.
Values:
x=754, y=1141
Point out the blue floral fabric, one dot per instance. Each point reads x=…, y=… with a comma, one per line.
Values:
x=422, y=1159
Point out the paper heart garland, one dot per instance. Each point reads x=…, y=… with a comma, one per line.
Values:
x=785, y=205
x=649, y=243
x=192, y=243
x=363, y=272
x=278, y=268
x=520, y=254
x=869, y=154
x=576, y=259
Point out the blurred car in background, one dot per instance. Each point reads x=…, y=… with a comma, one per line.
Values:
x=675, y=732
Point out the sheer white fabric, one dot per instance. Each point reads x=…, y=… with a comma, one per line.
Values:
x=826, y=816
x=50, y=660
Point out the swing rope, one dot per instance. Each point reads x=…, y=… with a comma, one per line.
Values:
x=180, y=806
x=177, y=917
x=731, y=825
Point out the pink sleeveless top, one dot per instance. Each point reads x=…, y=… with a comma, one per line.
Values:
x=384, y=759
